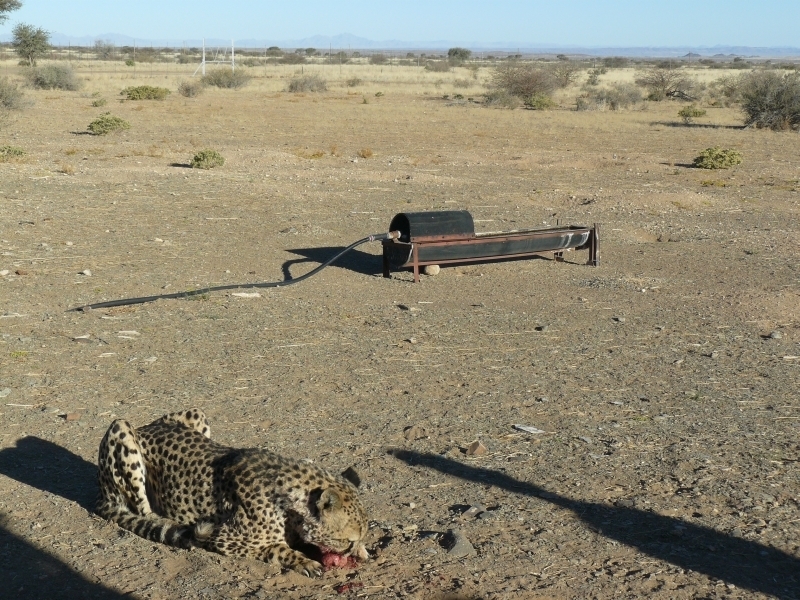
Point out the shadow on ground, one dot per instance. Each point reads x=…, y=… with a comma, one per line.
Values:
x=355, y=260
x=744, y=563
x=697, y=125
x=51, y=468
x=31, y=573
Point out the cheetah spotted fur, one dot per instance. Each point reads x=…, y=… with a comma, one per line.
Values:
x=169, y=482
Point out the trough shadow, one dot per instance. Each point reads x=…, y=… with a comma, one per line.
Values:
x=356, y=260
x=32, y=573
x=181, y=165
x=744, y=563
x=51, y=468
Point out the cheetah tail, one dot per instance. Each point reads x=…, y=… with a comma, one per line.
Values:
x=157, y=529
x=203, y=530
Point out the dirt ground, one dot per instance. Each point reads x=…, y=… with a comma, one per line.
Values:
x=665, y=380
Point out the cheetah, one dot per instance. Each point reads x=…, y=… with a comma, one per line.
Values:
x=169, y=482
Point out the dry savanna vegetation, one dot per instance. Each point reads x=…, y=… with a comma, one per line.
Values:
x=663, y=383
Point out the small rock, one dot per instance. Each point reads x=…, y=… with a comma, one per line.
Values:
x=528, y=429
x=82, y=339
x=619, y=319
x=72, y=416
x=586, y=439
x=714, y=354
x=625, y=503
x=20, y=272
x=476, y=448
x=5, y=392
x=775, y=335
x=472, y=511
x=86, y=272
x=457, y=544
x=68, y=243
x=414, y=432
x=432, y=270
x=541, y=327
x=411, y=340
x=4, y=272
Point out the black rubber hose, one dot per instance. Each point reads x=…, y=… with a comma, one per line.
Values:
x=236, y=286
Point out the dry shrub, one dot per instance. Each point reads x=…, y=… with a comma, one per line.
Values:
x=53, y=77
x=618, y=96
x=223, y=78
x=523, y=80
x=292, y=58
x=99, y=102
x=66, y=169
x=501, y=99
x=190, y=89
x=437, y=66
x=365, y=153
x=353, y=82
x=726, y=90
x=307, y=83
x=462, y=83
x=771, y=100
x=11, y=97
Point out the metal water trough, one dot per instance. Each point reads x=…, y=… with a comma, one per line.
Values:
x=447, y=237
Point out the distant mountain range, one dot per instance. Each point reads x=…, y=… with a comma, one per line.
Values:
x=351, y=42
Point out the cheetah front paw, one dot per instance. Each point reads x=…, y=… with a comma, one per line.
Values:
x=308, y=567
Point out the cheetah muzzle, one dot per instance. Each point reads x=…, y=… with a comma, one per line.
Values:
x=169, y=483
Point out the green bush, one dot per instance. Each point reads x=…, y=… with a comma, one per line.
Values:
x=99, y=102
x=207, y=159
x=458, y=55
x=53, y=77
x=190, y=89
x=618, y=96
x=771, y=100
x=378, y=59
x=223, y=78
x=688, y=113
x=539, y=102
x=307, y=83
x=145, y=92
x=717, y=158
x=11, y=97
x=107, y=123
x=292, y=58
x=10, y=152
x=129, y=62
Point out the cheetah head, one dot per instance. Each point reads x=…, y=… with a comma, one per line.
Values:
x=338, y=522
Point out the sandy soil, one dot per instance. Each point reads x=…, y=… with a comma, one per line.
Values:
x=665, y=380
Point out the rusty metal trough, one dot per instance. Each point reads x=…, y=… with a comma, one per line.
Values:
x=448, y=237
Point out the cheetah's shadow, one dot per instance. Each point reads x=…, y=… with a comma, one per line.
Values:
x=51, y=468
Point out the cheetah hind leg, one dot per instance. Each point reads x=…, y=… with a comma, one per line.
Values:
x=194, y=418
x=123, y=495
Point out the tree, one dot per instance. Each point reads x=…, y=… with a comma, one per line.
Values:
x=564, y=72
x=523, y=80
x=105, y=50
x=666, y=82
x=458, y=54
x=6, y=6
x=30, y=42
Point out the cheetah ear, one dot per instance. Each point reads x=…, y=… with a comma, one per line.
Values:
x=328, y=500
x=352, y=476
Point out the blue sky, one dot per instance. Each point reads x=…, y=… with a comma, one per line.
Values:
x=548, y=22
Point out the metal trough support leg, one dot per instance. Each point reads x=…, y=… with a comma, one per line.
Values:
x=594, y=246
x=558, y=256
x=386, y=271
x=415, y=258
